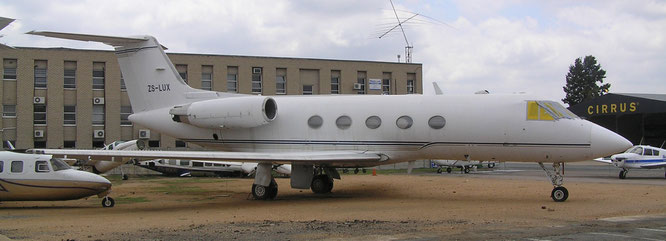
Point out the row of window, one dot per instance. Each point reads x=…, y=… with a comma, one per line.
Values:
x=374, y=122
x=40, y=166
x=69, y=114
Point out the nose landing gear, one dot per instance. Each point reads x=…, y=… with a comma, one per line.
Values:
x=559, y=193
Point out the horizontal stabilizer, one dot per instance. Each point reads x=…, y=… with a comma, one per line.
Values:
x=5, y=21
x=109, y=40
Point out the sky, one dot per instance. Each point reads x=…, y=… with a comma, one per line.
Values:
x=503, y=46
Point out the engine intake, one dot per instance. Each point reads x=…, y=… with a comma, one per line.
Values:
x=227, y=113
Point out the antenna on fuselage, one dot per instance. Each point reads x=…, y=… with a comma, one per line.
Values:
x=662, y=144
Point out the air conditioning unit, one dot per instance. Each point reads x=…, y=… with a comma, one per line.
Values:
x=98, y=100
x=256, y=70
x=98, y=133
x=38, y=100
x=144, y=134
x=358, y=86
x=39, y=133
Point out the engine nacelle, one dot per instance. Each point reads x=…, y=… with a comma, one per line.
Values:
x=228, y=113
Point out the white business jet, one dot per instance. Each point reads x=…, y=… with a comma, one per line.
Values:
x=31, y=177
x=316, y=134
x=638, y=157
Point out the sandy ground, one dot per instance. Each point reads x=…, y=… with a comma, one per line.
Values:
x=360, y=207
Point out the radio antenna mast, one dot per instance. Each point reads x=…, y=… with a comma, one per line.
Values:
x=409, y=47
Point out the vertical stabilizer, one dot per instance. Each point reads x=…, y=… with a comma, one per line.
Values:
x=151, y=79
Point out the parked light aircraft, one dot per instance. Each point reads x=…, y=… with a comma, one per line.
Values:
x=219, y=168
x=100, y=165
x=637, y=157
x=316, y=134
x=32, y=177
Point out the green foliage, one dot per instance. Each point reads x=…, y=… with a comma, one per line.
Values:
x=582, y=81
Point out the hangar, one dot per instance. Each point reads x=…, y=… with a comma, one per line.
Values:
x=641, y=118
x=75, y=98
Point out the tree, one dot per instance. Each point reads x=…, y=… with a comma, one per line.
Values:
x=582, y=81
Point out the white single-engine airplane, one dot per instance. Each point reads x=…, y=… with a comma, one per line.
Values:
x=31, y=177
x=638, y=157
x=316, y=134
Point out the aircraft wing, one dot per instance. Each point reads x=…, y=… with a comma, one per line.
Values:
x=332, y=158
x=604, y=160
x=654, y=165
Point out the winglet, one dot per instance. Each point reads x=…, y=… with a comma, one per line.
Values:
x=438, y=91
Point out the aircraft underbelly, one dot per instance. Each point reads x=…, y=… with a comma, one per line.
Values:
x=47, y=190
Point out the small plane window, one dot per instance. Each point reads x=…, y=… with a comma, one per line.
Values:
x=160, y=161
x=343, y=122
x=315, y=121
x=404, y=122
x=373, y=122
x=647, y=152
x=2, y=165
x=208, y=164
x=437, y=122
x=184, y=162
x=654, y=153
x=58, y=165
x=637, y=150
x=197, y=164
x=41, y=166
x=173, y=162
x=17, y=166
x=217, y=164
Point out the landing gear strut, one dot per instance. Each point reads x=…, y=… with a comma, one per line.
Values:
x=559, y=193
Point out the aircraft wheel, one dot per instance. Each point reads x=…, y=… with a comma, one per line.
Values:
x=364, y=171
x=272, y=190
x=345, y=171
x=321, y=184
x=623, y=174
x=491, y=165
x=449, y=170
x=125, y=177
x=439, y=170
x=466, y=170
x=559, y=194
x=260, y=192
x=108, y=202
x=356, y=171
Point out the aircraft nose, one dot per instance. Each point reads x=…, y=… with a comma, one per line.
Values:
x=605, y=142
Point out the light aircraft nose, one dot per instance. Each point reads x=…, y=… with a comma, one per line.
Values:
x=605, y=142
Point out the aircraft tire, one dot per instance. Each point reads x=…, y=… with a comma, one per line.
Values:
x=623, y=174
x=108, y=202
x=449, y=170
x=356, y=171
x=272, y=190
x=125, y=177
x=260, y=192
x=466, y=170
x=559, y=194
x=491, y=165
x=321, y=184
x=439, y=170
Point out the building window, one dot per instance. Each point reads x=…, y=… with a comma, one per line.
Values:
x=17, y=166
x=39, y=114
x=386, y=83
x=69, y=144
x=180, y=143
x=40, y=144
x=98, y=115
x=232, y=79
x=257, y=78
x=98, y=143
x=153, y=143
x=182, y=71
x=360, y=82
x=281, y=81
x=335, y=81
x=404, y=122
x=70, y=75
x=207, y=77
x=410, y=82
x=307, y=89
x=40, y=73
x=125, y=112
x=9, y=69
x=123, y=87
x=9, y=111
x=98, y=76
x=70, y=115
x=343, y=122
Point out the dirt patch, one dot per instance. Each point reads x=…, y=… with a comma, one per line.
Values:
x=360, y=207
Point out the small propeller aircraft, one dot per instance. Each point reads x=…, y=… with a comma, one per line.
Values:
x=638, y=157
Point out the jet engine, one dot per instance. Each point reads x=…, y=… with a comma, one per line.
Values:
x=227, y=113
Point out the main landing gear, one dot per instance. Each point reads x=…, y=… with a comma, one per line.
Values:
x=321, y=184
x=260, y=192
x=559, y=193
x=623, y=173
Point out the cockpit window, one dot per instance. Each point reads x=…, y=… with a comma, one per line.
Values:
x=647, y=152
x=59, y=165
x=41, y=166
x=637, y=150
x=547, y=110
